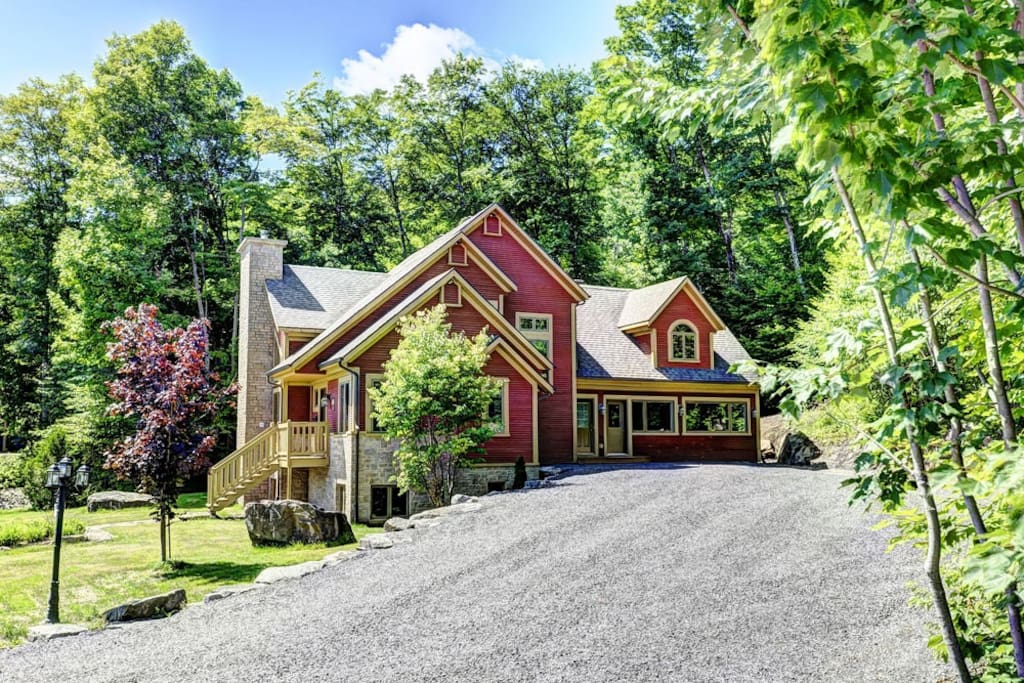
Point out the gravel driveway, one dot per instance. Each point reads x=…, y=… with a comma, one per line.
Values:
x=703, y=573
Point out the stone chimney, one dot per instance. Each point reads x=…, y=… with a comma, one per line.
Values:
x=261, y=259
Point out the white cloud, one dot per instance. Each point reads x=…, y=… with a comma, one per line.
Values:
x=416, y=50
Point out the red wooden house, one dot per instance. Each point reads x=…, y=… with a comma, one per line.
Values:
x=590, y=373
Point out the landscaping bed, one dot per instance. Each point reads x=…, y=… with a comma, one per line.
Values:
x=208, y=553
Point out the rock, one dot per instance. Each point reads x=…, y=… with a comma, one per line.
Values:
x=340, y=556
x=437, y=513
x=51, y=631
x=376, y=542
x=397, y=524
x=97, y=535
x=280, y=522
x=462, y=498
x=13, y=499
x=798, y=449
x=147, y=608
x=541, y=484
x=545, y=472
x=117, y=500
x=294, y=571
x=228, y=591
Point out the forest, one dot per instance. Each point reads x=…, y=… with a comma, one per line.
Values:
x=839, y=179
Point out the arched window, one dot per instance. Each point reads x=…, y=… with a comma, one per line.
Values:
x=683, y=342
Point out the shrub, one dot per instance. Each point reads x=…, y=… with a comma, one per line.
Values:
x=33, y=531
x=10, y=471
x=519, y=478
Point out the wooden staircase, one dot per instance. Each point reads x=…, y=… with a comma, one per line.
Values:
x=243, y=470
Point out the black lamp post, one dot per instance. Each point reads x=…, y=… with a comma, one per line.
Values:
x=58, y=479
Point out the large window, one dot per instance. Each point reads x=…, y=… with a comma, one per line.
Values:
x=375, y=381
x=536, y=327
x=344, y=406
x=682, y=342
x=386, y=501
x=654, y=417
x=716, y=417
x=497, y=411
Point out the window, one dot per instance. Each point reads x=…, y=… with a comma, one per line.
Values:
x=536, y=327
x=386, y=501
x=683, y=342
x=375, y=381
x=716, y=417
x=654, y=416
x=497, y=411
x=492, y=226
x=344, y=405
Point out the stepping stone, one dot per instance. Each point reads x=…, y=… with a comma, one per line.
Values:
x=295, y=571
x=51, y=631
x=376, y=542
x=228, y=591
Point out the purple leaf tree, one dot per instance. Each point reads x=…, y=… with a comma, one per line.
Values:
x=164, y=383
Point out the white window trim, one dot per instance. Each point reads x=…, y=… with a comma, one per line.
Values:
x=530, y=335
x=505, y=382
x=348, y=418
x=672, y=431
x=716, y=399
x=696, y=342
x=370, y=379
x=452, y=261
x=458, y=301
x=488, y=232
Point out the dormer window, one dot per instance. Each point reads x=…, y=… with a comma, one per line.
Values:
x=683, y=342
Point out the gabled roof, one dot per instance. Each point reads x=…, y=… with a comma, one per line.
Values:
x=405, y=271
x=604, y=351
x=515, y=360
x=311, y=298
x=422, y=295
x=644, y=305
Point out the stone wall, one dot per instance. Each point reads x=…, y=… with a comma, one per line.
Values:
x=260, y=260
x=323, y=481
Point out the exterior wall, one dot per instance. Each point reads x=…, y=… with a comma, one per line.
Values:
x=261, y=260
x=680, y=447
x=539, y=292
x=473, y=480
x=683, y=308
x=323, y=481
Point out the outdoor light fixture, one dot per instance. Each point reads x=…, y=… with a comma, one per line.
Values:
x=58, y=480
x=325, y=401
x=600, y=408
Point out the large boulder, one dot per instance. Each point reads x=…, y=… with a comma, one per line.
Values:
x=798, y=449
x=280, y=522
x=147, y=608
x=117, y=500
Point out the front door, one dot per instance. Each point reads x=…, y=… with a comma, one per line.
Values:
x=585, y=426
x=616, y=415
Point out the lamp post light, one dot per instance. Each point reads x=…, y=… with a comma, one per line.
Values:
x=58, y=479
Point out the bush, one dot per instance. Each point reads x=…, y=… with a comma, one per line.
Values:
x=33, y=531
x=519, y=478
x=52, y=445
x=10, y=471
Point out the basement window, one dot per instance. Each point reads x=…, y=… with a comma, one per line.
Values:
x=387, y=502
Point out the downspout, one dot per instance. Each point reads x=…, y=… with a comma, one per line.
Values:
x=355, y=441
x=273, y=420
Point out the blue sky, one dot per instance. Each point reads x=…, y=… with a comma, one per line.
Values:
x=272, y=47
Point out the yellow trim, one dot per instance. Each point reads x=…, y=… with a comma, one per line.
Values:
x=654, y=348
x=528, y=373
x=696, y=341
x=452, y=261
x=536, y=428
x=757, y=425
x=525, y=241
x=492, y=234
x=548, y=335
x=666, y=386
x=572, y=389
x=628, y=418
x=655, y=399
x=452, y=304
x=717, y=399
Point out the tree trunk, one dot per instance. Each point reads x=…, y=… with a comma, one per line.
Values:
x=934, y=525
x=724, y=223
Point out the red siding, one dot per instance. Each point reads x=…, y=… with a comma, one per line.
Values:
x=332, y=406
x=539, y=292
x=298, y=404
x=683, y=308
x=505, y=449
x=480, y=280
x=294, y=345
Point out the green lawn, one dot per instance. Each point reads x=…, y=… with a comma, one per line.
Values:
x=207, y=553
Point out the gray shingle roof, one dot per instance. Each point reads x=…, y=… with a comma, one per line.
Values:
x=312, y=298
x=603, y=351
x=641, y=304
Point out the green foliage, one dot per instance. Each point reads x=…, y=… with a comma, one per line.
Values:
x=433, y=400
x=519, y=478
x=10, y=471
x=33, y=531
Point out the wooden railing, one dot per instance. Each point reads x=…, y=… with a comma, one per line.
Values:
x=302, y=438
x=273, y=448
x=230, y=477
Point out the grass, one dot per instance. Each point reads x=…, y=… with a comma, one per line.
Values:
x=207, y=553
